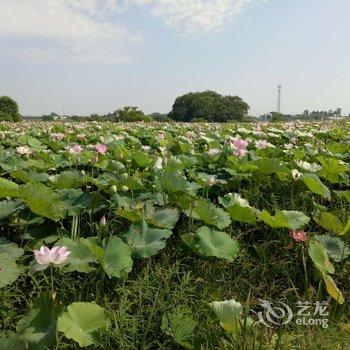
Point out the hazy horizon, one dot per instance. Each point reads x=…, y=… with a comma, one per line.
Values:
x=94, y=56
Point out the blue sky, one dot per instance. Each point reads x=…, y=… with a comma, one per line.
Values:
x=94, y=56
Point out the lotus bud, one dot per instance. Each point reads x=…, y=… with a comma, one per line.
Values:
x=211, y=181
x=103, y=221
x=125, y=188
x=114, y=188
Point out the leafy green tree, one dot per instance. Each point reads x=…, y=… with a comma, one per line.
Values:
x=9, y=109
x=208, y=106
x=130, y=114
x=159, y=117
x=277, y=117
x=230, y=108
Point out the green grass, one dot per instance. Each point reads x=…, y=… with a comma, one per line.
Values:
x=177, y=279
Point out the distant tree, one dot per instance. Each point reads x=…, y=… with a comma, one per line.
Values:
x=337, y=112
x=208, y=106
x=94, y=116
x=159, y=117
x=48, y=117
x=9, y=109
x=130, y=114
x=230, y=108
x=277, y=117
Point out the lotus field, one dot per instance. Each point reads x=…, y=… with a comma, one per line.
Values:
x=168, y=236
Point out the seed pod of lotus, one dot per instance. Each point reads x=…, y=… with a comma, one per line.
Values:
x=103, y=221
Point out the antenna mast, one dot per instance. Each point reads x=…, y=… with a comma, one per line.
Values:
x=279, y=87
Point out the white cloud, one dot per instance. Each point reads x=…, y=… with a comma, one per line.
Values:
x=75, y=28
x=195, y=16
x=89, y=30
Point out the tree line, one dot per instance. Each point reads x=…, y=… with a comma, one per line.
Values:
x=205, y=106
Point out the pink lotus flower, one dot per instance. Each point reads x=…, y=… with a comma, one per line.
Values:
x=160, y=136
x=101, y=148
x=240, y=144
x=57, y=255
x=261, y=144
x=239, y=152
x=298, y=235
x=76, y=149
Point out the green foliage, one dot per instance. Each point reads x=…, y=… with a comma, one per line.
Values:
x=319, y=256
x=180, y=325
x=229, y=312
x=210, y=214
x=10, y=248
x=146, y=241
x=209, y=106
x=81, y=322
x=13, y=342
x=8, y=188
x=9, y=271
x=336, y=248
x=80, y=258
x=115, y=257
x=38, y=326
x=277, y=117
x=210, y=243
x=42, y=200
x=157, y=186
x=238, y=208
x=130, y=114
x=9, y=109
x=316, y=186
x=7, y=208
x=329, y=221
x=284, y=218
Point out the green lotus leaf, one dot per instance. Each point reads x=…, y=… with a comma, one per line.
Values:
x=13, y=342
x=319, y=256
x=268, y=166
x=145, y=241
x=81, y=322
x=332, y=169
x=335, y=247
x=80, y=258
x=9, y=271
x=42, y=200
x=180, y=325
x=210, y=214
x=141, y=159
x=211, y=243
x=7, y=208
x=8, y=188
x=329, y=221
x=31, y=176
x=11, y=249
x=344, y=194
x=117, y=261
x=238, y=208
x=229, y=312
x=315, y=185
x=38, y=326
x=285, y=219
x=164, y=218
